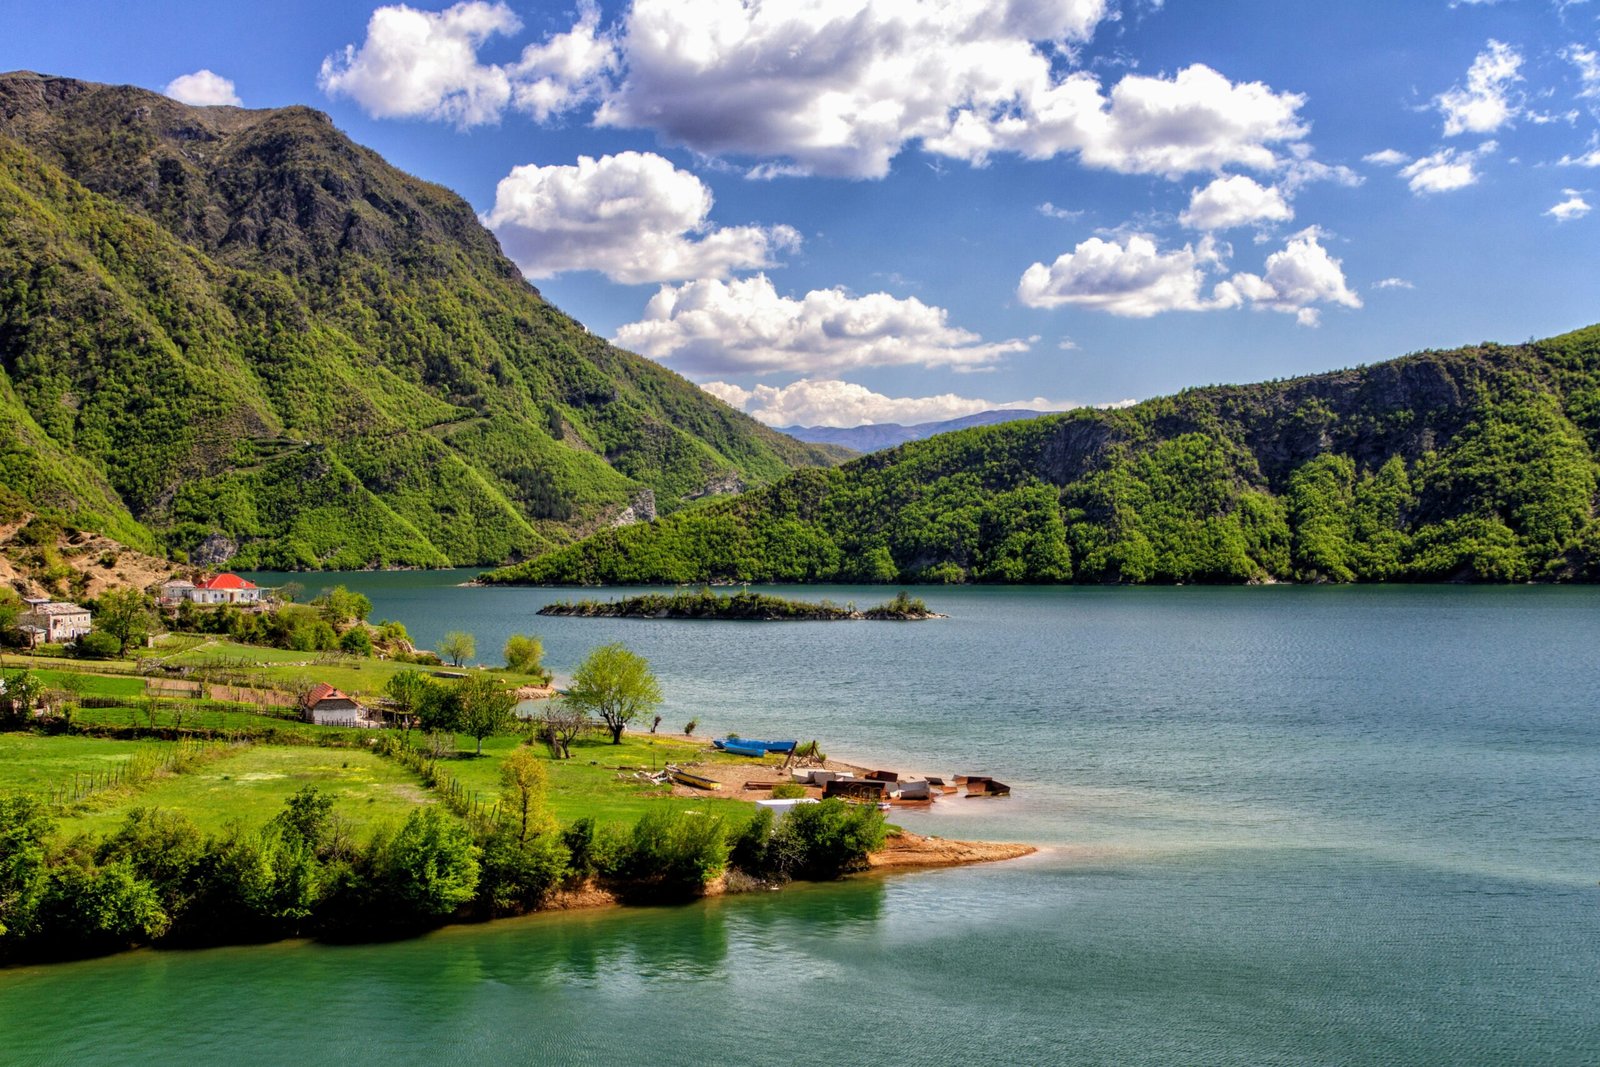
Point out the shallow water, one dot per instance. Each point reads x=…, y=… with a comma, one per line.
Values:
x=1291, y=825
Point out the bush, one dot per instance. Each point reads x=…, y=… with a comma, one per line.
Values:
x=97, y=644
x=748, y=851
x=356, y=641
x=97, y=909
x=671, y=855
x=822, y=841
x=518, y=876
x=429, y=868
x=788, y=791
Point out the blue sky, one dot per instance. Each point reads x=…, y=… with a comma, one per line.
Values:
x=887, y=210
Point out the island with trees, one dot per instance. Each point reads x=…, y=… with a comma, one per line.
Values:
x=743, y=606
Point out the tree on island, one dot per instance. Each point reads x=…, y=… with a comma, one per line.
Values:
x=458, y=647
x=125, y=615
x=615, y=685
x=486, y=707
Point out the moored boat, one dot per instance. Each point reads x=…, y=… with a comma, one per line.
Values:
x=745, y=748
x=689, y=778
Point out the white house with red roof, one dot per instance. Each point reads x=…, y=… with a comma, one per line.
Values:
x=326, y=706
x=218, y=589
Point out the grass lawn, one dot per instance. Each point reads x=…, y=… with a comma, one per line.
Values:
x=97, y=685
x=185, y=714
x=252, y=785
x=354, y=674
x=589, y=784
x=34, y=763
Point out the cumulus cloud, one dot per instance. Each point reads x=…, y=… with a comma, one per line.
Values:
x=1300, y=275
x=1573, y=207
x=1232, y=201
x=745, y=325
x=1487, y=101
x=423, y=64
x=1137, y=280
x=830, y=402
x=202, y=89
x=1132, y=280
x=633, y=216
x=1446, y=170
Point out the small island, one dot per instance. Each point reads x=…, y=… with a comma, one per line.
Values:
x=743, y=607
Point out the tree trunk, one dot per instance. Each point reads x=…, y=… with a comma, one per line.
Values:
x=616, y=733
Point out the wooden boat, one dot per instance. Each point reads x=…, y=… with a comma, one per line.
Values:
x=689, y=778
x=745, y=748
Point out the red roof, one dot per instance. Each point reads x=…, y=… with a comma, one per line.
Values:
x=226, y=581
x=323, y=691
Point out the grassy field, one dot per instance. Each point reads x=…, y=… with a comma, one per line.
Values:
x=252, y=785
x=34, y=763
x=590, y=783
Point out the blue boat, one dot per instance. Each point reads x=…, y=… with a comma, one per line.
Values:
x=745, y=748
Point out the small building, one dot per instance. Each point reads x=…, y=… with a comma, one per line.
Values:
x=176, y=591
x=327, y=706
x=53, y=622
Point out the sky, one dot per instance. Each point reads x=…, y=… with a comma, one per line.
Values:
x=834, y=213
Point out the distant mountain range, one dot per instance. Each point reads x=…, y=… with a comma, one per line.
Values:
x=238, y=334
x=878, y=436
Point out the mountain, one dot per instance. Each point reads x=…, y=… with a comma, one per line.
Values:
x=876, y=437
x=239, y=334
x=1474, y=464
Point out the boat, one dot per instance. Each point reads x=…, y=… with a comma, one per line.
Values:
x=689, y=778
x=724, y=744
x=745, y=748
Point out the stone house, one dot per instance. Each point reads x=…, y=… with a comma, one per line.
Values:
x=53, y=622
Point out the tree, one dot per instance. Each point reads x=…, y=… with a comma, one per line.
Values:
x=486, y=707
x=339, y=605
x=522, y=789
x=408, y=690
x=430, y=867
x=440, y=712
x=25, y=829
x=10, y=609
x=616, y=685
x=562, y=724
x=458, y=646
x=125, y=615
x=524, y=653
x=356, y=641
x=22, y=692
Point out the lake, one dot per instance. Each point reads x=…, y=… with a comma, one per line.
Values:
x=1284, y=825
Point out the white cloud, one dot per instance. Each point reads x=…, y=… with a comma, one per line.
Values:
x=745, y=326
x=1389, y=157
x=632, y=216
x=1134, y=280
x=839, y=88
x=1573, y=207
x=1050, y=211
x=1392, y=283
x=830, y=402
x=202, y=89
x=1587, y=63
x=423, y=64
x=1485, y=103
x=1300, y=275
x=1137, y=280
x=1446, y=170
x=1234, y=200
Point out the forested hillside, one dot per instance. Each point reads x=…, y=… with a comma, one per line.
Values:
x=1477, y=464
x=238, y=332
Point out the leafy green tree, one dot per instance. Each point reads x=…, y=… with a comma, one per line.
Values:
x=124, y=614
x=339, y=605
x=430, y=867
x=10, y=607
x=22, y=691
x=524, y=654
x=408, y=690
x=25, y=827
x=616, y=685
x=486, y=707
x=97, y=644
x=356, y=641
x=522, y=794
x=457, y=647
x=439, y=712
x=90, y=908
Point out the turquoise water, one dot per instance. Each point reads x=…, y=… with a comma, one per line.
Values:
x=1287, y=825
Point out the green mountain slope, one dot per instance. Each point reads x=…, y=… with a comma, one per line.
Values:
x=240, y=330
x=1478, y=464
